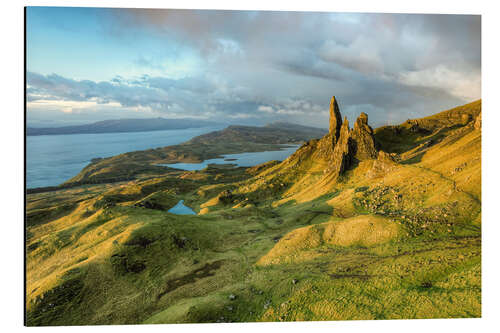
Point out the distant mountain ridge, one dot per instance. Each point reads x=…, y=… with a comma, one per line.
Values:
x=123, y=125
x=273, y=133
x=291, y=126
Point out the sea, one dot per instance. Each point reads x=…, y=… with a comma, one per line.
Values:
x=53, y=159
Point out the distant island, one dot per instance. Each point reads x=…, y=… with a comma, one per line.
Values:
x=123, y=125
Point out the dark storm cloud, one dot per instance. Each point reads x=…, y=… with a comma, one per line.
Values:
x=274, y=65
x=316, y=69
x=390, y=61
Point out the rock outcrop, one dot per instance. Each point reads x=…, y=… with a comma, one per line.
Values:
x=325, y=147
x=477, y=122
x=385, y=157
x=465, y=119
x=335, y=120
x=342, y=147
x=343, y=152
x=328, y=142
x=363, y=140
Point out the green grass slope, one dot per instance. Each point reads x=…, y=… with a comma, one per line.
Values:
x=275, y=242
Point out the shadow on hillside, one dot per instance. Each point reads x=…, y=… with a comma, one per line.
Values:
x=415, y=159
x=398, y=139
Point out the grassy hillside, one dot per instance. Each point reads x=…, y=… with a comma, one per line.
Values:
x=394, y=237
x=418, y=132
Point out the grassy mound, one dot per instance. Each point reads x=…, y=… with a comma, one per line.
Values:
x=365, y=230
x=360, y=230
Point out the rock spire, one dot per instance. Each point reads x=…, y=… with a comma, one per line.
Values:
x=363, y=140
x=335, y=119
x=342, y=152
x=342, y=147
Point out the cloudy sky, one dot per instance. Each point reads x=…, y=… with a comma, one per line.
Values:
x=89, y=64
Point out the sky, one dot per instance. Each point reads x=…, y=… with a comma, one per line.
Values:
x=246, y=67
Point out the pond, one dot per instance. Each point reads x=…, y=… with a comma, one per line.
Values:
x=181, y=209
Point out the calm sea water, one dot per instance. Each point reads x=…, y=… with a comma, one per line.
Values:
x=243, y=159
x=53, y=159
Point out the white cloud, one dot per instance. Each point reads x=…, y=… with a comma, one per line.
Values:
x=265, y=108
x=284, y=66
x=240, y=116
x=466, y=86
x=229, y=46
x=290, y=112
x=68, y=106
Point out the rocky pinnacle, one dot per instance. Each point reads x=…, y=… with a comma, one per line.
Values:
x=363, y=139
x=342, y=153
x=335, y=119
x=341, y=147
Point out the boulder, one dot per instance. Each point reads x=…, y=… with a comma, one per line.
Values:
x=465, y=119
x=385, y=157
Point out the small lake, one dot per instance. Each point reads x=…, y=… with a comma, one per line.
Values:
x=181, y=209
x=242, y=159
